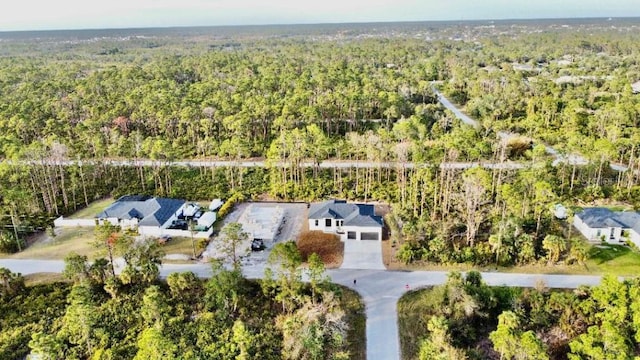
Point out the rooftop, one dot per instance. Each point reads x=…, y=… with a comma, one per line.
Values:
x=352, y=214
x=150, y=211
x=602, y=218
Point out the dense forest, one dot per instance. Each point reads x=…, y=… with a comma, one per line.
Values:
x=466, y=319
x=364, y=95
x=133, y=315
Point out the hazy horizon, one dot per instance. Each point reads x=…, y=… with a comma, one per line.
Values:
x=40, y=15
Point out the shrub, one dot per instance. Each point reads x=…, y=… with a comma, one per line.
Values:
x=327, y=246
x=8, y=243
x=228, y=206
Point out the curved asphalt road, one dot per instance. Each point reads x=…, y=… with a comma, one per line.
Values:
x=380, y=290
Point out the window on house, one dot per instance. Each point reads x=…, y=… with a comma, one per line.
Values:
x=340, y=222
x=317, y=222
x=327, y=222
x=351, y=235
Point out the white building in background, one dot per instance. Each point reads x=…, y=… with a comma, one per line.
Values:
x=614, y=227
x=147, y=214
x=348, y=221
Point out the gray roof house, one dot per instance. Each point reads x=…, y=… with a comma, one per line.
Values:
x=350, y=221
x=145, y=210
x=598, y=224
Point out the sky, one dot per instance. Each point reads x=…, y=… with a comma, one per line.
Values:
x=92, y=14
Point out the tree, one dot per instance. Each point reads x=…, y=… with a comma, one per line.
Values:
x=542, y=200
x=437, y=345
x=224, y=289
x=110, y=240
x=192, y=230
x=142, y=262
x=46, y=346
x=76, y=268
x=512, y=343
x=154, y=344
x=554, y=245
x=316, y=273
x=288, y=283
x=474, y=194
x=155, y=307
x=243, y=339
x=231, y=240
x=80, y=320
x=11, y=284
x=315, y=331
x=13, y=197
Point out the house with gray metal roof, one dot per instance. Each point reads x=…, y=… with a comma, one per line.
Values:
x=348, y=220
x=146, y=213
x=602, y=224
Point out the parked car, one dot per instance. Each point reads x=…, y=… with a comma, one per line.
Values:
x=257, y=245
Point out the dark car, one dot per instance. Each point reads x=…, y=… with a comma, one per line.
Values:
x=257, y=245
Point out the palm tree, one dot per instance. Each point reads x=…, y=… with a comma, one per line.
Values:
x=554, y=245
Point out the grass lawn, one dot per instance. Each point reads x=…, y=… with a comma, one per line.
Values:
x=613, y=259
x=181, y=245
x=602, y=259
x=78, y=240
x=92, y=210
x=356, y=334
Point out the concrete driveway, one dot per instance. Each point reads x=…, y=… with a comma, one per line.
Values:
x=363, y=255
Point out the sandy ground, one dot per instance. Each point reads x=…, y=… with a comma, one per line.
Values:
x=294, y=222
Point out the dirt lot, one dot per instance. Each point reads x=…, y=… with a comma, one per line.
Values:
x=294, y=222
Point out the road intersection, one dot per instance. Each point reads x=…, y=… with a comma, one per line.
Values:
x=380, y=290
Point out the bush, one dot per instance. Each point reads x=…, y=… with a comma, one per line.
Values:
x=327, y=246
x=228, y=205
x=8, y=243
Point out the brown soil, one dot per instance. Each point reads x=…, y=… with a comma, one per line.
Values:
x=327, y=246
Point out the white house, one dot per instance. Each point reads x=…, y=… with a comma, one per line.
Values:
x=349, y=221
x=148, y=214
x=614, y=227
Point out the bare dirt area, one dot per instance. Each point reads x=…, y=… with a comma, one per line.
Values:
x=294, y=221
x=389, y=256
x=327, y=246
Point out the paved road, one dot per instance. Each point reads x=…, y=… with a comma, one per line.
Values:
x=572, y=159
x=327, y=164
x=380, y=290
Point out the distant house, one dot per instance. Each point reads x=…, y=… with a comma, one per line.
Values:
x=614, y=227
x=349, y=221
x=147, y=214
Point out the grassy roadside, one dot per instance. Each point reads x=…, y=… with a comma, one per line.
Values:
x=356, y=334
x=80, y=241
x=602, y=259
x=68, y=240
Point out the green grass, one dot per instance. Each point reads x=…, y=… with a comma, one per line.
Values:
x=613, y=259
x=180, y=245
x=356, y=334
x=92, y=210
x=43, y=278
x=77, y=240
